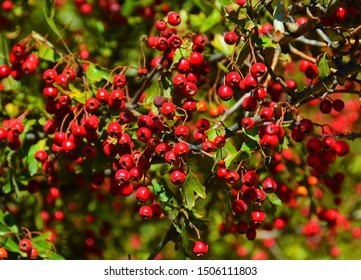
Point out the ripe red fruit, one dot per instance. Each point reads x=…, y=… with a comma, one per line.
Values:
x=250, y=178
x=301, y=20
x=249, y=103
x=3, y=134
x=34, y=253
x=311, y=71
x=241, y=2
x=114, y=130
x=179, y=81
x=168, y=109
x=247, y=123
x=219, y=141
x=4, y=71
x=341, y=13
x=142, y=194
x=122, y=175
x=239, y=207
x=203, y=124
x=251, y=234
x=174, y=18
x=258, y=69
x=144, y=134
x=200, y=248
x=325, y=106
x=304, y=64
x=68, y=146
x=181, y=149
x=230, y=38
x=184, y=66
x=25, y=245
x=225, y=92
x=208, y=146
x=269, y=185
x=338, y=105
x=160, y=24
x=50, y=92
x=196, y=60
x=232, y=177
x=258, y=217
x=232, y=79
x=119, y=81
x=49, y=76
x=145, y=212
x=91, y=104
x=314, y=146
x=342, y=148
x=177, y=177
x=102, y=95
x=41, y=155
x=181, y=132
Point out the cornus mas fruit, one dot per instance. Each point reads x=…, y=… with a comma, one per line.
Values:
x=200, y=248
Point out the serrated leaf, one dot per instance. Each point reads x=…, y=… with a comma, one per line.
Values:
x=96, y=74
x=42, y=245
x=191, y=186
x=323, y=68
x=151, y=92
x=248, y=147
x=33, y=164
x=229, y=148
x=10, y=245
x=279, y=17
x=163, y=193
x=273, y=198
x=229, y=160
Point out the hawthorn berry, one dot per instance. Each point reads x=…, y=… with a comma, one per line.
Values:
x=3, y=253
x=177, y=177
x=174, y=18
x=25, y=245
x=142, y=194
x=200, y=248
x=230, y=37
x=225, y=92
x=145, y=212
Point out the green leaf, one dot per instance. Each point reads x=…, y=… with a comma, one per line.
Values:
x=10, y=245
x=266, y=42
x=47, y=53
x=77, y=94
x=163, y=193
x=279, y=17
x=323, y=68
x=42, y=236
x=213, y=19
x=248, y=147
x=151, y=92
x=96, y=74
x=50, y=255
x=33, y=164
x=225, y=2
x=273, y=198
x=42, y=245
x=191, y=186
x=252, y=133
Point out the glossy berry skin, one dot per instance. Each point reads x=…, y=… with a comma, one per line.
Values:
x=200, y=248
x=196, y=60
x=174, y=19
x=177, y=177
x=239, y=207
x=168, y=109
x=250, y=178
x=314, y=146
x=157, y=209
x=232, y=79
x=208, y=146
x=269, y=185
x=341, y=148
x=230, y=38
x=311, y=71
x=41, y=155
x=179, y=81
x=34, y=253
x=25, y=245
x=114, y=130
x=49, y=76
x=144, y=134
x=4, y=71
x=258, y=69
x=247, y=123
x=232, y=177
x=142, y=194
x=181, y=149
x=242, y=3
x=122, y=175
x=145, y=212
x=219, y=141
x=203, y=124
x=225, y=92
x=181, y=132
x=119, y=81
x=325, y=106
x=258, y=217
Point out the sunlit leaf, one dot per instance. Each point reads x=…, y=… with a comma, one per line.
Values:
x=96, y=74
x=323, y=68
x=279, y=17
x=273, y=198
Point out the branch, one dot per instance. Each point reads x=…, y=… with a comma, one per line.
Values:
x=161, y=245
x=327, y=82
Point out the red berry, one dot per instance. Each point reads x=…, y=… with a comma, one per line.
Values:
x=232, y=177
x=174, y=18
x=177, y=177
x=325, y=106
x=219, y=141
x=230, y=38
x=232, y=79
x=249, y=103
x=181, y=149
x=196, y=60
x=160, y=24
x=225, y=92
x=179, y=81
x=250, y=178
x=338, y=105
x=142, y=194
x=342, y=148
x=269, y=185
x=41, y=155
x=258, y=217
x=258, y=69
x=168, y=109
x=114, y=130
x=25, y=245
x=145, y=212
x=119, y=81
x=4, y=71
x=49, y=76
x=200, y=248
x=311, y=71
x=203, y=124
x=239, y=207
x=122, y=175
x=314, y=146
